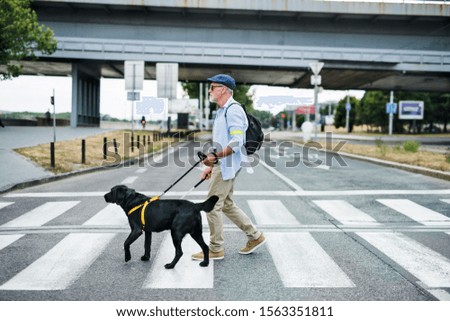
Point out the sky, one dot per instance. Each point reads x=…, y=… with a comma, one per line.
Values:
x=32, y=93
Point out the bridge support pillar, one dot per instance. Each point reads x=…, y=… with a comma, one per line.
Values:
x=85, y=95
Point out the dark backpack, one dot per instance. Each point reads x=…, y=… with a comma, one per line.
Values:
x=254, y=135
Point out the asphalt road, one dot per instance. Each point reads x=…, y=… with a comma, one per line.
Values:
x=336, y=229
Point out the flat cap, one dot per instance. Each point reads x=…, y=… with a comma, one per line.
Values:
x=224, y=80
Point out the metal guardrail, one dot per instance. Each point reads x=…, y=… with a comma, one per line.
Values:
x=268, y=55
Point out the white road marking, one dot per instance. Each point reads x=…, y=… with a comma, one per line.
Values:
x=281, y=176
x=430, y=267
x=37, y=217
x=4, y=204
x=58, y=268
x=302, y=263
x=42, y=214
x=187, y=274
x=129, y=180
x=141, y=170
x=245, y=193
x=440, y=294
x=416, y=212
x=446, y=201
x=346, y=213
x=6, y=240
x=71, y=257
x=112, y=214
x=271, y=213
x=299, y=259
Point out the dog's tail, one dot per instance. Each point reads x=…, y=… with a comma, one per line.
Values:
x=207, y=205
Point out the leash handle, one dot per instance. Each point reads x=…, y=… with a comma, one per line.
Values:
x=202, y=156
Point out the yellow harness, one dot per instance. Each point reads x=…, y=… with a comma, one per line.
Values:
x=143, y=205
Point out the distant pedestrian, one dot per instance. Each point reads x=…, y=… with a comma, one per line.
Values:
x=1, y=123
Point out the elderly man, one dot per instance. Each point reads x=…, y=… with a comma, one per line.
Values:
x=223, y=165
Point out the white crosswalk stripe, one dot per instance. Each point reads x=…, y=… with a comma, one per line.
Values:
x=5, y=204
x=62, y=265
x=186, y=274
x=299, y=259
x=271, y=212
x=37, y=217
x=70, y=258
x=416, y=212
x=129, y=180
x=111, y=215
x=346, y=213
x=428, y=266
x=301, y=262
x=42, y=214
x=6, y=240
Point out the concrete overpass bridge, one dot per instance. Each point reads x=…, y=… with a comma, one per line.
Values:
x=398, y=44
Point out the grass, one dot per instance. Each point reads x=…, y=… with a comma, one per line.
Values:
x=68, y=153
x=407, y=153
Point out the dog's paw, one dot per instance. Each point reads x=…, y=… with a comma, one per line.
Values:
x=145, y=258
x=169, y=266
x=204, y=264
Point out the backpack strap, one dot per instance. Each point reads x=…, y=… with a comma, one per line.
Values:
x=236, y=103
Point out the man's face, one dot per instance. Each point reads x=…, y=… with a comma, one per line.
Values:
x=215, y=91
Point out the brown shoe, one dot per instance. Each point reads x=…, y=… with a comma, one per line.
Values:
x=212, y=256
x=252, y=245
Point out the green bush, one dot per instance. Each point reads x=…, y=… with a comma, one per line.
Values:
x=411, y=146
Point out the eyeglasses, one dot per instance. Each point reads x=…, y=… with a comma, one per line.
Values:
x=214, y=86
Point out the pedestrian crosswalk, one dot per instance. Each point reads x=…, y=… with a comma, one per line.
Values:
x=430, y=267
x=186, y=275
x=345, y=212
x=300, y=258
x=37, y=217
x=60, y=266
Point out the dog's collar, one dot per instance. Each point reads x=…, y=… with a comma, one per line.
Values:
x=143, y=205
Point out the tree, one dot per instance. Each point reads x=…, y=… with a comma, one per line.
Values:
x=21, y=36
x=372, y=111
x=264, y=117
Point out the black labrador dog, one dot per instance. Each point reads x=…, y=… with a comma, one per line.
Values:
x=179, y=216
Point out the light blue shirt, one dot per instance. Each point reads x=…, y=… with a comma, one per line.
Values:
x=230, y=132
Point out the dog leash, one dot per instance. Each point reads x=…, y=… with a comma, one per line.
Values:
x=200, y=155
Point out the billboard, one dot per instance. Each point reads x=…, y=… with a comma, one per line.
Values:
x=167, y=80
x=134, y=75
x=411, y=110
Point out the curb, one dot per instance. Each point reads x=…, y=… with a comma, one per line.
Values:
x=57, y=177
x=410, y=168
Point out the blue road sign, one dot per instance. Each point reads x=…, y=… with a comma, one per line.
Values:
x=391, y=108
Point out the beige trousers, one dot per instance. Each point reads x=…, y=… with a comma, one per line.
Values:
x=225, y=204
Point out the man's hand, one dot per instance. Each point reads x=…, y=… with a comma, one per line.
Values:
x=210, y=160
x=207, y=173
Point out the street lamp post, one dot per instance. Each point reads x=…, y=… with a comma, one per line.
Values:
x=316, y=80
